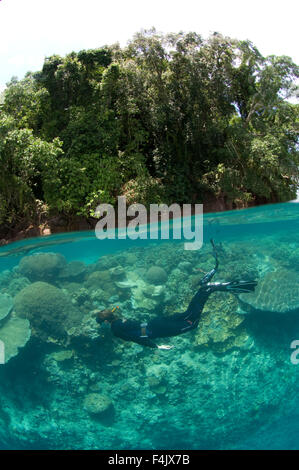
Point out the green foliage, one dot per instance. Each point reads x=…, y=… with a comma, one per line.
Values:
x=24, y=162
x=26, y=102
x=75, y=186
x=169, y=118
x=145, y=190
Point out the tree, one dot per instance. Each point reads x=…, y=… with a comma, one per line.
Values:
x=24, y=162
x=169, y=118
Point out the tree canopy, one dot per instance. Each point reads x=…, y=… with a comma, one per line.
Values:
x=168, y=118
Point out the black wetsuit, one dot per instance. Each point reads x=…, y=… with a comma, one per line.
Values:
x=161, y=327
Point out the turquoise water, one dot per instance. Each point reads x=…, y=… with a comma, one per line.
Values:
x=230, y=384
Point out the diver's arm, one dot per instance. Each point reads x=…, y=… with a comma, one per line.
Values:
x=148, y=342
x=145, y=342
x=126, y=331
x=134, y=339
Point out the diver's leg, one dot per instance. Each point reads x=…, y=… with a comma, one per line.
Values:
x=197, y=304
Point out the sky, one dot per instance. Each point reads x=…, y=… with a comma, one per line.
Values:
x=31, y=30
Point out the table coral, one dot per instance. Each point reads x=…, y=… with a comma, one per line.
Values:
x=6, y=304
x=276, y=292
x=14, y=333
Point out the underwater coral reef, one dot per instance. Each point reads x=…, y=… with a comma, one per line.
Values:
x=69, y=384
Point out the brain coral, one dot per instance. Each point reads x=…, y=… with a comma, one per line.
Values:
x=276, y=292
x=48, y=309
x=97, y=278
x=97, y=404
x=75, y=270
x=42, y=266
x=156, y=275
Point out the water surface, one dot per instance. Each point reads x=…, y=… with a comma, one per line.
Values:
x=230, y=384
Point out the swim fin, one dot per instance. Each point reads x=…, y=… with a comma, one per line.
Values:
x=236, y=287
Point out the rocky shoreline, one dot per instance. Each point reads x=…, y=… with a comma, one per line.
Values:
x=60, y=223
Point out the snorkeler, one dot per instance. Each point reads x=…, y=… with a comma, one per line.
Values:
x=144, y=333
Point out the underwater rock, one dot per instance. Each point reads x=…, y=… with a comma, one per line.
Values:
x=82, y=336
x=71, y=287
x=97, y=295
x=232, y=340
x=143, y=296
x=62, y=356
x=124, y=289
x=5, y=278
x=125, y=284
x=47, y=308
x=107, y=294
x=156, y=386
x=99, y=282
x=75, y=270
x=154, y=291
x=156, y=375
x=130, y=258
x=165, y=256
x=98, y=278
x=185, y=266
x=15, y=333
x=105, y=262
x=117, y=272
x=6, y=305
x=42, y=266
x=81, y=296
x=220, y=328
x=17, y=284
x=97, y=404
x=177, y=276
x=156, y=275
x=276, y=292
